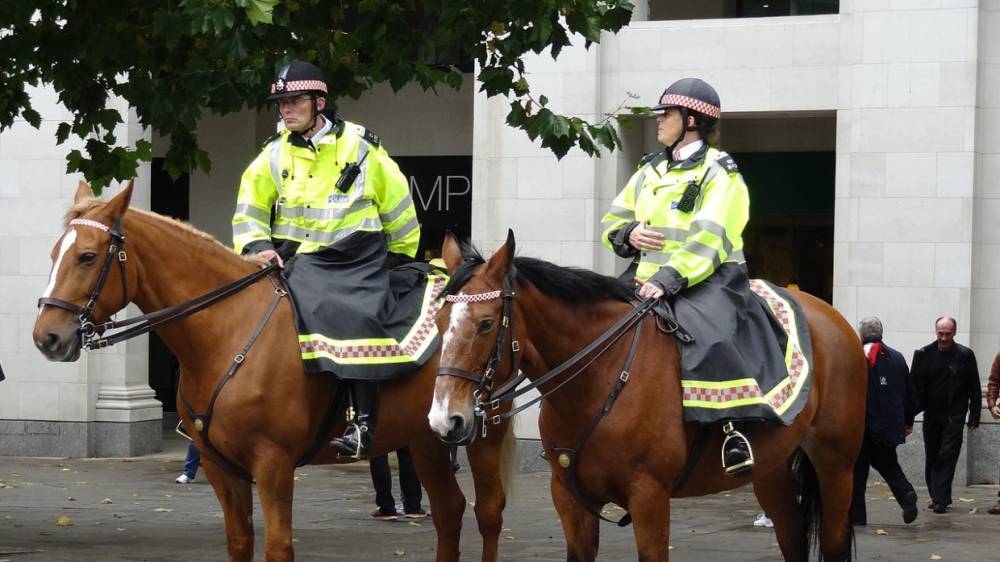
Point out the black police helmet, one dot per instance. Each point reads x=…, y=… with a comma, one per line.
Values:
x=297, y=77
x=694, y=94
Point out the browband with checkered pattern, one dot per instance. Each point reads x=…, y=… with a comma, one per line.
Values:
x=88, y=222
x=476, y=297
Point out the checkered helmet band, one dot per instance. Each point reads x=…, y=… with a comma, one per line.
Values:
x=704, y=108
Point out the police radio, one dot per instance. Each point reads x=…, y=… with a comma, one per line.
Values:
x=349, y=174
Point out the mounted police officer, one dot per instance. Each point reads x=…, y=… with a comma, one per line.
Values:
x=326, y=201
x=680, y=219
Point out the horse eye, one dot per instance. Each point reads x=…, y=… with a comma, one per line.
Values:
x=87, y=258
x=486, y=325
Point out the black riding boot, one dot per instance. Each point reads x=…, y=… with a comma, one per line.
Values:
x=356, y=441
x=737, y=455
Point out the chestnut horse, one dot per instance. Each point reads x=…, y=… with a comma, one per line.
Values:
x=270, y=413
x=639, y=449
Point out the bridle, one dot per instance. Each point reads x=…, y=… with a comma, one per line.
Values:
x=484, y=397
x=89, y=332
x=92, y=334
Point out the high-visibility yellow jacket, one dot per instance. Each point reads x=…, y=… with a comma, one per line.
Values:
x=299, y=181
x=701, y=230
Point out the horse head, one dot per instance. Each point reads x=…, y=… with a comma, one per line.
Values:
x=85, y=288
x=476, y=323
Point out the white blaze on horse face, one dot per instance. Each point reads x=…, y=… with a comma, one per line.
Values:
x=67, y=242
x=438, y=416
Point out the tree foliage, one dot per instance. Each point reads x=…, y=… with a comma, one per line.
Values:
x=175, y=60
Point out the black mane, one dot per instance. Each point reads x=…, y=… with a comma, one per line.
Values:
x=571, y=284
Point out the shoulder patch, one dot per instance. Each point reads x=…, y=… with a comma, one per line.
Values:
x=653, y=159
x=372, y=138
x=727, y=162
x=270, y=139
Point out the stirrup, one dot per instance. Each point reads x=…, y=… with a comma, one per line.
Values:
x=742, y=468
x=357, y=455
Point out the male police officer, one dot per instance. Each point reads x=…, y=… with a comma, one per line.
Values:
x=342, y=209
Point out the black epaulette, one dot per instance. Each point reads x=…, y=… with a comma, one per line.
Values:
x=270, y=139
x=372, y=138
x=727, y=162
x=647, y=158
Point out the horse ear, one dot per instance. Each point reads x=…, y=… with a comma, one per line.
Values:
x=501, y=261
x=451, y=252
x=119, y=203
x=83, y=191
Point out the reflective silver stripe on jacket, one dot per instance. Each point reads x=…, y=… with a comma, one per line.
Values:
x=254, y=213
x=404, y=204
x=311, y=213
x=713, y=228
x=359, y=182
x=320, y=237
x=250, y=227
x=662, y=258
x=276, y=163
x=404, y=230
x=620, y=214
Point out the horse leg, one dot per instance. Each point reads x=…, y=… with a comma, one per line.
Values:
x=649, y=504
x=776, y=493
x=433, y=463
x=236, y=498
x=579, y=525
x=835, y=473
x=489, y=460
x=275, y=475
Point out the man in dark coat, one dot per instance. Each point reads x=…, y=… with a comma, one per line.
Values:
x=889, y=413
x=946, y=381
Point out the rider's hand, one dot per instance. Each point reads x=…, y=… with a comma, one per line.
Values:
x=643, y=239
x=650, y=291
x=995, y=412
x=268, y=255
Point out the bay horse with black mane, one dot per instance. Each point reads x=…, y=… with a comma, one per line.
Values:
x=269, y=415
x=608, y=441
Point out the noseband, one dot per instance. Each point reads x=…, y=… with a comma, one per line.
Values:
x=116, y=248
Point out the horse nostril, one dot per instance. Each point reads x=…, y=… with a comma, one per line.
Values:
x=51, y=341
x=457, y=422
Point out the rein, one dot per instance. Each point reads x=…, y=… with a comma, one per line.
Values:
x=92, y=335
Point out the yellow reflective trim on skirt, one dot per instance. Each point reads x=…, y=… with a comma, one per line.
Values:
x=434, y=282
x=719, y=384
x=723, y=405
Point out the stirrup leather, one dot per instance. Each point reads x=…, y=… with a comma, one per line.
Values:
x=732, y=433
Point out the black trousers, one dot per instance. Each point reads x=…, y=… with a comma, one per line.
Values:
x=882, y=458
x=942, y=445
x=409, y=485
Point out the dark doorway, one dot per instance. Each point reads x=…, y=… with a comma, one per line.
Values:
x=789, y=239
x=171, y=198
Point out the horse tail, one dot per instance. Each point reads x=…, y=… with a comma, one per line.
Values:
x=810, y=502
x=508, y=460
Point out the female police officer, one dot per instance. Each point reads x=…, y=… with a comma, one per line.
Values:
x=681, y=218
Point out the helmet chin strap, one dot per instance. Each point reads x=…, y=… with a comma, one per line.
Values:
x=685, y=129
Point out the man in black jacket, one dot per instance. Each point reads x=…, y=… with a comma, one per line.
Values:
x=889, y=413
x=946, y=381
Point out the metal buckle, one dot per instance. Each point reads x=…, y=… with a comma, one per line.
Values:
x=280, y=292
x=505, y=322
x=239, y=358
x=515, y=346
x=623, y=377
x=494, y=404
x=495, y=420
x=122, y=256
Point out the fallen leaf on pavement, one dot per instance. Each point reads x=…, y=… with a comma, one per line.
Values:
x=64, y=521
x=399, y=552
x=163, y=509
x=881, y=532
x=966, y=500
x=106, y=500
x=935, y=557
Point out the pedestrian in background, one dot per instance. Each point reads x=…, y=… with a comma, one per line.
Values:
x=409, y=487
x=889, y=412
x=946, y=381
x=192, y=460
x=992, y=390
